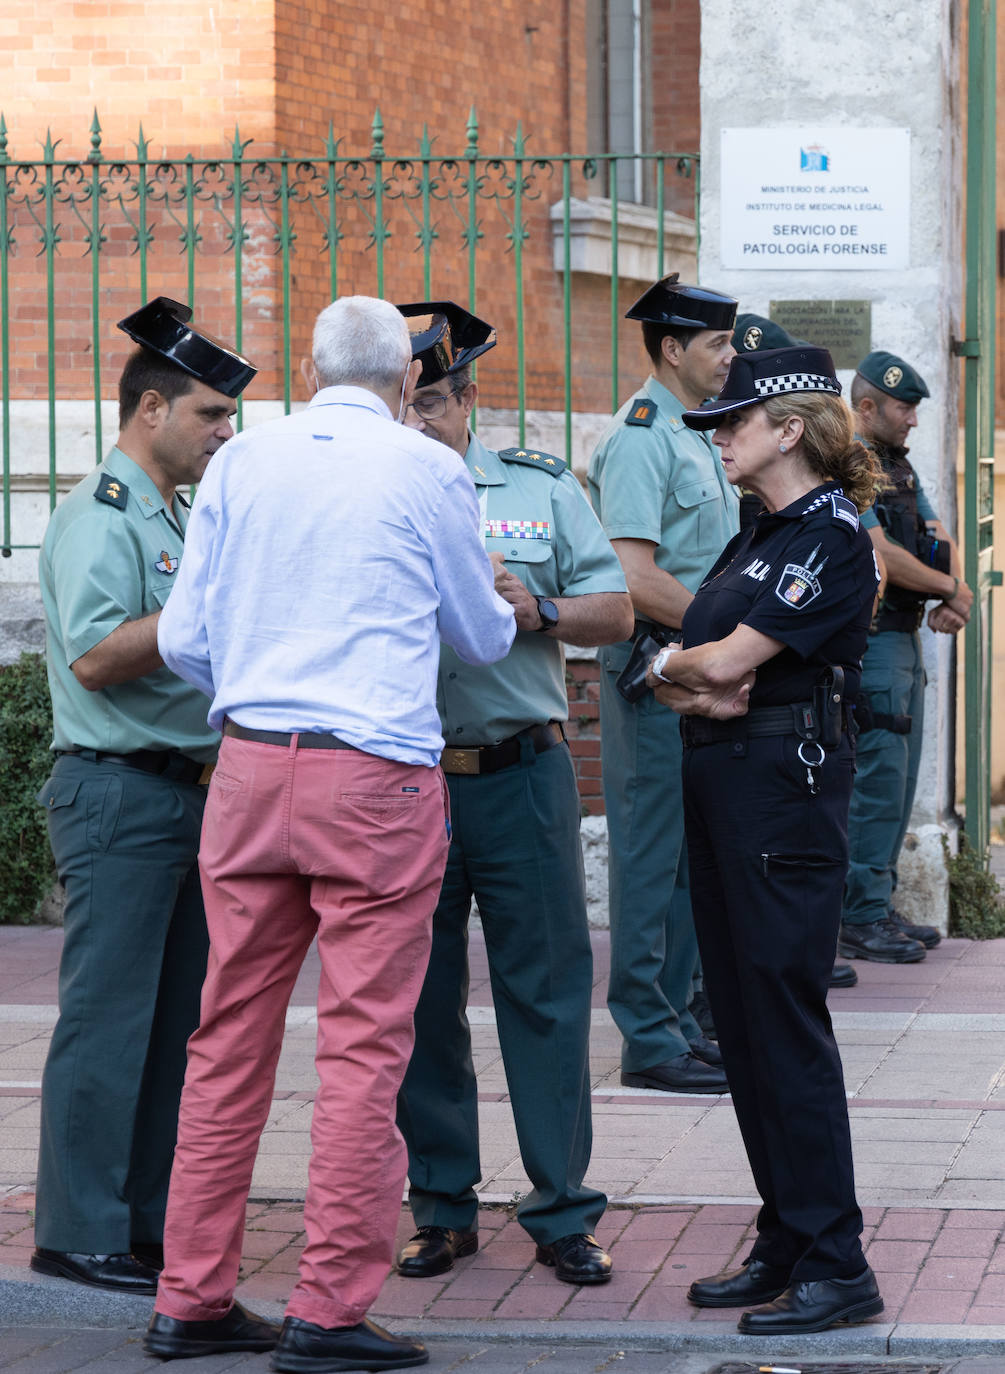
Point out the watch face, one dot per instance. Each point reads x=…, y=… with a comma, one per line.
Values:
x=548, y=612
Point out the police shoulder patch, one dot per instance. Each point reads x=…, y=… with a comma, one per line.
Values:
x=534, y=458
x=111, y=491
x=844, y=510
x=642, y=412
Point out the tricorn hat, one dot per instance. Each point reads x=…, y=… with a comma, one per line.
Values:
x=162, y=325
x=892, y=375
x=688, y=307
x=755, y=377
x=446, y=337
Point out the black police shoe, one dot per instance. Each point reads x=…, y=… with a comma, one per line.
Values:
x=753, y=1283
x=117, y=1273
x=433, y=1249
x=842, y=976
x=814, y=1305
x=685, y=1074
x=172, y=1339
x=706, y=1050
x=879, y=941
x=576, y=1259
x=304, y=1347
x=928, y=935
x=702, y=1013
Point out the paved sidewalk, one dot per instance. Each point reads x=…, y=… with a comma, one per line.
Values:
x=924, y=1053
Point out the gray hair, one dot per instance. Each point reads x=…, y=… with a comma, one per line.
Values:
x=361, y=341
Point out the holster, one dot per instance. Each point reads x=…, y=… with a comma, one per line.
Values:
x=649, y=639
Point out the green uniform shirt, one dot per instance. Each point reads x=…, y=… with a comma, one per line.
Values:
x=553, y=542
x=101, y=564
x=664, y=483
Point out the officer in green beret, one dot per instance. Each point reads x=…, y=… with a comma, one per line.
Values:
x=922, y=565
x=752, y=333
x=124, y=804
x=515, y=845
x=663, y=499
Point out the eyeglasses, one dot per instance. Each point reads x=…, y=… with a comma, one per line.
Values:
x=431, y=407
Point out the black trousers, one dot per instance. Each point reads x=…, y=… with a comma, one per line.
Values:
x=768, y=859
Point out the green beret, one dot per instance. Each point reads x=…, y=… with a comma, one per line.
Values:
x=757, y=331
x=891, y=374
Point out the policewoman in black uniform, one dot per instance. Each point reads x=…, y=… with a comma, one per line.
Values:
x=772, y=647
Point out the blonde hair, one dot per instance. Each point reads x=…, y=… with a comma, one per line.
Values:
x=829, y=444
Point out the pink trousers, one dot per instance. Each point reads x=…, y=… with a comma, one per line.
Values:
x=296, y=842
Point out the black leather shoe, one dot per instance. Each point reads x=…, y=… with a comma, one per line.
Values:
x=433, y=1249
x=707, y=1051
x=843, y=976
x=928, y=935
x=879, y=941
x=702, y=1013
x=237, y=1329
x=118, y=1273
x=685, y=1074
x=815, y=1305
x=576, y=1259
x=150, y=1255
x=754, y=1282
x=304, y=1347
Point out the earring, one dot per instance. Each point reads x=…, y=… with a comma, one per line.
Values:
x=783, y=448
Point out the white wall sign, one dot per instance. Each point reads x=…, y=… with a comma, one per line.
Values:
x=810, y=198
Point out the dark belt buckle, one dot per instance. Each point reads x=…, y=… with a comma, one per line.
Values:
x=460, y=761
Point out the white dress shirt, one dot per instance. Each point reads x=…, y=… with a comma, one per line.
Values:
x=327, y=555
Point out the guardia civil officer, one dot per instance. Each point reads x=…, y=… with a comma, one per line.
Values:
x=125, y=802
x=515, y=845
x=775, y=633
x=922, y=565
x=665, y=504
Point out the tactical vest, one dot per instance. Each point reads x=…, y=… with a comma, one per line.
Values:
x=897, y=510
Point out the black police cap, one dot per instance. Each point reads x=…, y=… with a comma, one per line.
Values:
x=688, y=307
x=755, y=377
x=446, y=337
x=162, y=325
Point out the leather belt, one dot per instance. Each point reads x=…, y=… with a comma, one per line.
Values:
x=306, y=740
x=491, y=758
x=165, y=763
x=904, y=621
x=798, y=718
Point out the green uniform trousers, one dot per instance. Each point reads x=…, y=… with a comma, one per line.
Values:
x=130, y=975
x=516, y=849
x=654, y=950
x=893, y=675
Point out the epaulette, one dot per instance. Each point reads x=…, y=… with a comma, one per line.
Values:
x=111, y=491
x=840, y=507
x=643, y=412
x=533, y=459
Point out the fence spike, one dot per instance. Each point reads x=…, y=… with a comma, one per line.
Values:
x=95, y=154
x=471, y=151
x=142, y=145
x=331, y=142
x=426, y=146
x=377, y=129
x=3, y=138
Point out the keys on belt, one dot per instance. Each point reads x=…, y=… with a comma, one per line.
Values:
x=491, y=758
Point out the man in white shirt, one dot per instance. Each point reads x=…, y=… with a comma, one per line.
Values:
x=328, y=554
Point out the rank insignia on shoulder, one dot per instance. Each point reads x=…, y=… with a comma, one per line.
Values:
x=112, y=491
x=166, y=564
x=845, y=510
x=642, y=413
x=532, y=458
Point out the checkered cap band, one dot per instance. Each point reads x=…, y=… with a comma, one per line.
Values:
x=795, y=381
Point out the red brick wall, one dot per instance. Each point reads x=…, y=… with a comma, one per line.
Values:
x=583, y=683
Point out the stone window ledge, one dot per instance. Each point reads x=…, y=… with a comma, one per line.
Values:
x=638, y=230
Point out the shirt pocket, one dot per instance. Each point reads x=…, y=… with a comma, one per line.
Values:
x=529, y=553
x=702, y=503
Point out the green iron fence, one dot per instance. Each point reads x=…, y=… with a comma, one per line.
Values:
x=257, y=243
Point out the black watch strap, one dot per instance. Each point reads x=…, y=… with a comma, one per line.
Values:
x=548, y=612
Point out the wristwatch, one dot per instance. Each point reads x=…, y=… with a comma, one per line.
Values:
x=548, y=612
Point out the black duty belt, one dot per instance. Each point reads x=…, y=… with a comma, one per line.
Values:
x=165, y=763
x=904, y=621
x=491, y=758
x=798, y=718
x=308, y=739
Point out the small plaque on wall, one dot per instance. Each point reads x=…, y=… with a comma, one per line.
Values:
x=843, y=327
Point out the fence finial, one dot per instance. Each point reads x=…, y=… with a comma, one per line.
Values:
x=3, y=138
x=377, y=129
x=471, y=151
x=142, y=146
x=95, y=154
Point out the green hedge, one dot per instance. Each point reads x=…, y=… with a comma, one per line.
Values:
x=26, y=870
